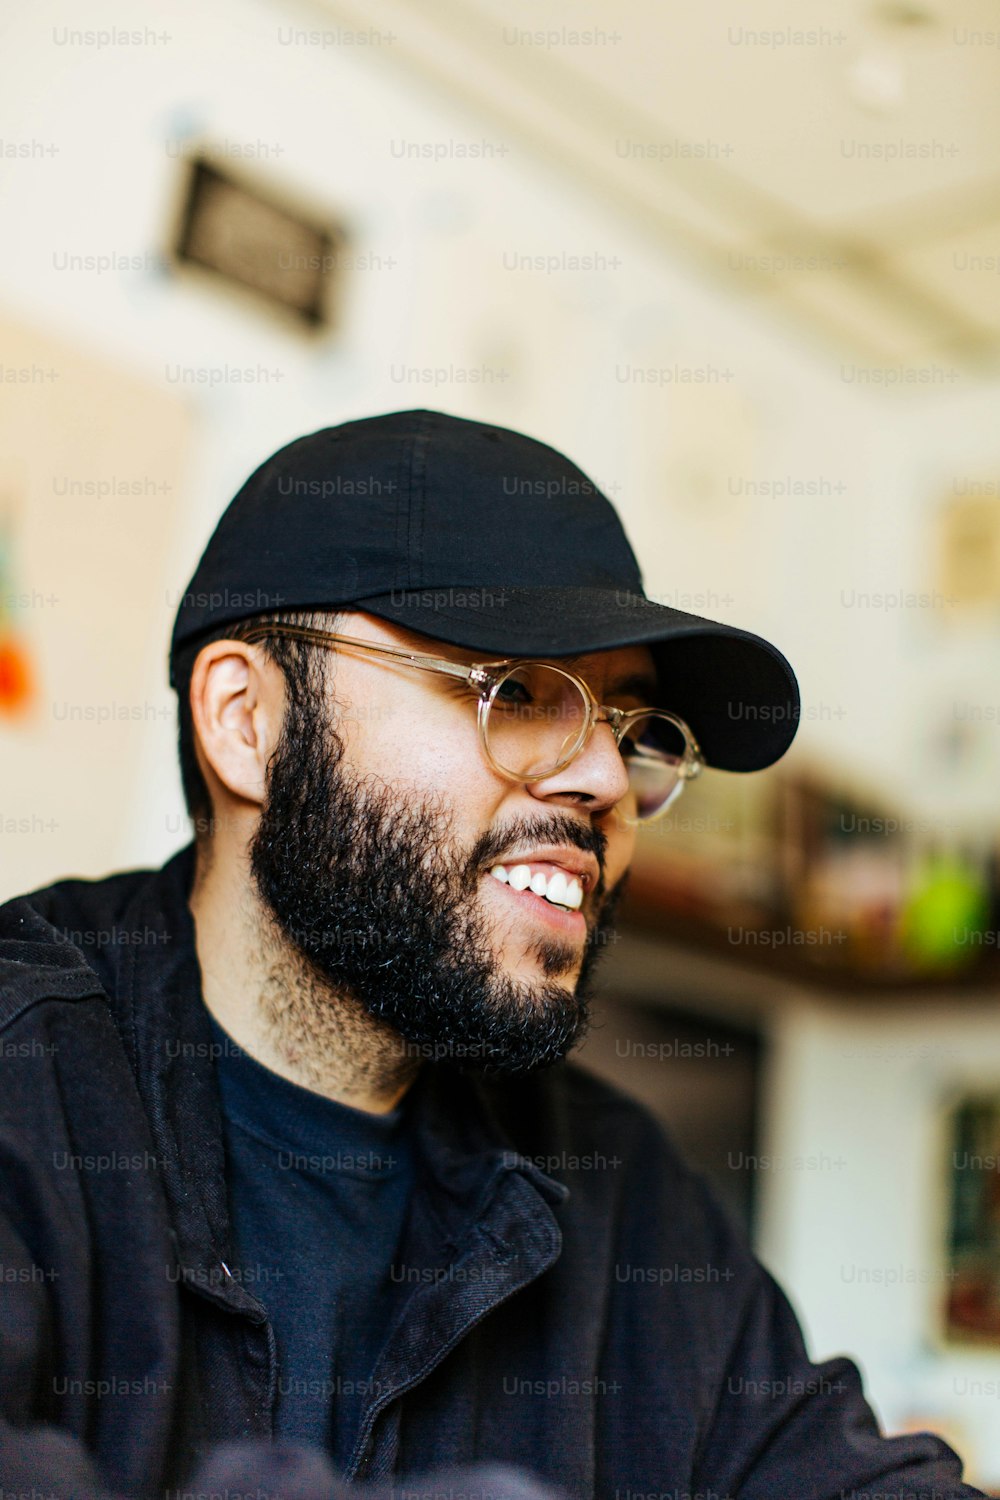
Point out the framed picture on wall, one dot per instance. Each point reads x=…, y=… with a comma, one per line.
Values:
x=971, y=1281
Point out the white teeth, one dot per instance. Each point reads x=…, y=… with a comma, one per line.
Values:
x=560, y=890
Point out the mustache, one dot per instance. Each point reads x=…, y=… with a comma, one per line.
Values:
x=556, y=828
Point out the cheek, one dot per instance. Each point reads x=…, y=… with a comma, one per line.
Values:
x=423, y=744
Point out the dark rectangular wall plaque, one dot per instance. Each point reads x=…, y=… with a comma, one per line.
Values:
x=244, y=234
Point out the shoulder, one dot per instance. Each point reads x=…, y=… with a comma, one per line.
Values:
x=59, y=941
x=74, y=896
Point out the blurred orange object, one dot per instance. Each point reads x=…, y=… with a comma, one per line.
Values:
x=17, y=686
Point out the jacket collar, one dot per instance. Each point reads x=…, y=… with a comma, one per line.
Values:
x=465, y=1161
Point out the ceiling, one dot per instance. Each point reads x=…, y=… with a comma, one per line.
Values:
x=839, y=163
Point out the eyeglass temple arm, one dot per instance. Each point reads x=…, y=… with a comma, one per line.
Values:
x=412, y=658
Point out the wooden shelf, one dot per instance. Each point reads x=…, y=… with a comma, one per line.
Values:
x=651, y=909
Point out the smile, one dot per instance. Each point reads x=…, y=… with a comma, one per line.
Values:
x=545, y=880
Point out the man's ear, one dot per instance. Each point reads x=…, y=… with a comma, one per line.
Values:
x=237, y=701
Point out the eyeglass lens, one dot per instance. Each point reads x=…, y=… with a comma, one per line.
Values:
x=537, y=720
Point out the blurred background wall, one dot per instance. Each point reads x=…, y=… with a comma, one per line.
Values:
x=744, y=270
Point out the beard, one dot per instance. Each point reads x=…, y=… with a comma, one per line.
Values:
x=382, y=908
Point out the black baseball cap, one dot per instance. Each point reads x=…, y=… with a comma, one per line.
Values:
x=484, y=538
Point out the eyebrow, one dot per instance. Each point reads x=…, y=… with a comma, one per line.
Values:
x=640, y=683
x=643, y=684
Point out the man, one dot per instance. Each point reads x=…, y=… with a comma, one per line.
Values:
x=298, y=1188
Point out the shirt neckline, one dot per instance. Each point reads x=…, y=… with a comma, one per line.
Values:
x=290, y=1117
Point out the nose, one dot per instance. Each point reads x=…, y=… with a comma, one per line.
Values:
x=597, y=779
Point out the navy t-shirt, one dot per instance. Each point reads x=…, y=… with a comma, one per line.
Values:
x=318, y=1194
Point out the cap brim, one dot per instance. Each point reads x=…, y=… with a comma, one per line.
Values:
x=735, y=690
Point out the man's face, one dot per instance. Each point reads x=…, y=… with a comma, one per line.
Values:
x=381, y=825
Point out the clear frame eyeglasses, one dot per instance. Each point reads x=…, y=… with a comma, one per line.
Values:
x=535, y=718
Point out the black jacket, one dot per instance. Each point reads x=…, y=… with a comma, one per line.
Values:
x=570, y=1302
